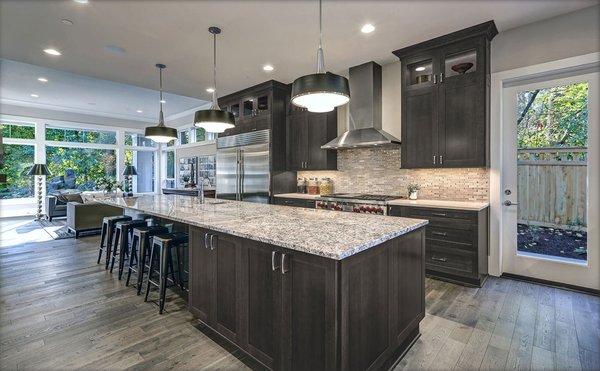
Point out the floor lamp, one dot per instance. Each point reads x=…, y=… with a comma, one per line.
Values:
x=39, y=171
x=129, y=172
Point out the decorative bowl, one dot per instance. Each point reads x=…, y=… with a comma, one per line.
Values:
x=462, y=67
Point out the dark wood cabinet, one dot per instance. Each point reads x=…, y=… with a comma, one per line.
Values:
x=298, y=202
x=291, y=310
x=307, y=132
x=456, y=242
x=445, y=104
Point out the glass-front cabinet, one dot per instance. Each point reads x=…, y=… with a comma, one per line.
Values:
x=249, y=111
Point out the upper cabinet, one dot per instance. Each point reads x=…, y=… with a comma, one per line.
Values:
x=445, y=100
x=306, y=133
x=253, y=107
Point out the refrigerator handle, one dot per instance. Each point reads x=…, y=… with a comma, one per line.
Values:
x=242, y=175
x=238, y=176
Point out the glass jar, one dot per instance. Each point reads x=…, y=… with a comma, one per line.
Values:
x=301, y=185
x=325, y=187
x=313, y=186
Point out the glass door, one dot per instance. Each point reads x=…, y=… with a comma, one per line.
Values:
x=550, y=132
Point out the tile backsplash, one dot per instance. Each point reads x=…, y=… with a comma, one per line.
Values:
x=377, y=170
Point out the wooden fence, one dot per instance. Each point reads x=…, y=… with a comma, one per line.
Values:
x=552, y=187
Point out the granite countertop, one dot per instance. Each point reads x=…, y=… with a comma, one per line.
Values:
x=304, y=196
x=442, y=204
x=330, y=234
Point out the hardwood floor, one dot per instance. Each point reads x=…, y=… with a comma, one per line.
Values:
x=59, y=310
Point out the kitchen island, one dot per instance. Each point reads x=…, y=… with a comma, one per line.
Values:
x=301, y=288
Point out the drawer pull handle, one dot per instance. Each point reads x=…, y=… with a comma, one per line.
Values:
x=439, y=259
x=206, y=240
x=274, y=265
x=438, y=214
x=443, y=234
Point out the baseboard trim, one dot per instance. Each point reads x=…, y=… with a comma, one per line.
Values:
x=585, y=290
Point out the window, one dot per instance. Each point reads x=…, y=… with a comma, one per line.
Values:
x=17, y=131
x=78, y=168
x=169, y=168
x=184, y=136
x=80, y=135
x=138, y=140
x=16, y=161
x=202, y=135
x=143, y=161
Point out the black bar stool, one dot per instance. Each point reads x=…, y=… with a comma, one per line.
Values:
x=106, y=237
x=123, y=230
x=162, y=245
x=140, y=243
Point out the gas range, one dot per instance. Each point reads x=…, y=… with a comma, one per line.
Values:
x=355, y=202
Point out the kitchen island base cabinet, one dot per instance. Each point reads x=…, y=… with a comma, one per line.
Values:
x=298, y=311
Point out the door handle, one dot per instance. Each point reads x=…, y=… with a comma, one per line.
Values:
x=212, y=244
x=509, y=203
x=206, y=240
x=443, y=260
x=438, y=214
x=284, y=260
x=274, y=265
x=441, y=160
x=441, y=77
x=434, y=78
x=443, y=234
x=434, y=155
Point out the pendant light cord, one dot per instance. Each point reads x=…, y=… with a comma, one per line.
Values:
x=161, y=120
x=215, y=104
x=320, y=57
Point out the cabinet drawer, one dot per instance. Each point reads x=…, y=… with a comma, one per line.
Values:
x=466, y=239
x=453, y=261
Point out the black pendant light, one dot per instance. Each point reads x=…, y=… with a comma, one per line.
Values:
x=161, y=133
x=322, y=91
x=214, y=119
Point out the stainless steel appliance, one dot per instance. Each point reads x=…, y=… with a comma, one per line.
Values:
x=355, y=202
x=243, y=167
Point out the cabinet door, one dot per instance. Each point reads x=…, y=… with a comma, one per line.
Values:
x=309, y=310
x=262, y=289
x=297, y=139
x=462, y=107
x=419, y=128
x=227, y=254
x=201, y=275
x=322, y=127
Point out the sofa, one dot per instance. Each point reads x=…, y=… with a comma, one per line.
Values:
x=83, y=217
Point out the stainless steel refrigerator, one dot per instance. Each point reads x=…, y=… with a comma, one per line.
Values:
x=243, y=167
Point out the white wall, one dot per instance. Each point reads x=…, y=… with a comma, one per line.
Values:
x=565, y=36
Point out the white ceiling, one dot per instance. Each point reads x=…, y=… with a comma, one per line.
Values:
x=87, y=95
x=282, y=33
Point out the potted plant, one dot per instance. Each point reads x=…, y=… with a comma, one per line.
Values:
x=413, y=188
x=108, y=185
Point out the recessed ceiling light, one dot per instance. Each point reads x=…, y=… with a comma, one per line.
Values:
x=139, y=111
x=163, y=101
x=367, y=28
x=34, y=95
x=67, y=22
x=419, y=69
x=81, y=1
x=210, y=90
x=268, y=68
x=42, y=79
x=52, y=51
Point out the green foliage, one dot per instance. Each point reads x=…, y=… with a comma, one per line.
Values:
x=81, y=136
x=108, y=184
x=17, y=131
x=200, y=134
x=89, y=165
x=553, y=117
x=17, y=161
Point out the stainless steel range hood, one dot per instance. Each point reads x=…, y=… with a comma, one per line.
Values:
x=365, y=111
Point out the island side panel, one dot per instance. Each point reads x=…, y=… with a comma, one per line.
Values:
x=382, y=301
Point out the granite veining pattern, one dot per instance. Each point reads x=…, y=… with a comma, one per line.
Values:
x=330, y=234
x=442, y=204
